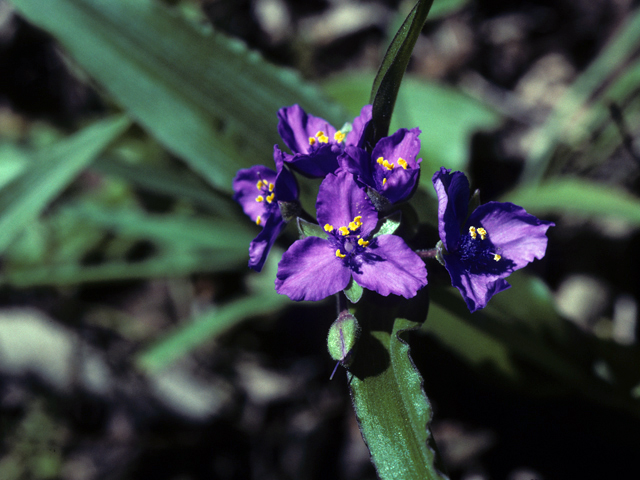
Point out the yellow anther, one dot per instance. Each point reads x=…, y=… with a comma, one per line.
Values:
x=322, y=138
x=497, y=257
x=384, y=180
x=353, y=226
x=260, y=184
x=258, y=220
x=328, y=228
x=402, y=162
x=343, y=231
x=271, y=197
x=259, y=198
x=483, y=233
x=472, y=232
x=358, y=220
x=380, y=160
x=271, y=187
x=339, y=254
x=339, y=136
x=363, y=243
x=387, y=165
x=312, y=141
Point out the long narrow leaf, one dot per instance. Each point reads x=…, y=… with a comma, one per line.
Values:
x=27, y=196
x=387, y=82
x=203, y=96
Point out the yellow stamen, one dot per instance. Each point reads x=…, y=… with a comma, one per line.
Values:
x=271, y=187
x=387, y=165
x=384, y=180
x=402, y=162
x=271, y=197
x=328, y=228
x=497, y=257
x=339, y=136
x=259, y=198
x=472, y=232
x=352, y=226
x=312, y=141
x=380, y=160
x=363, y=243
x=483, y=233
x=260, y=184
x=358, y=220
x=343, y=231
x=258, y=220
x=322, y=138
x=340, y=255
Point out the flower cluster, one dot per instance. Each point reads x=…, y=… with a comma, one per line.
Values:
x=351, y=242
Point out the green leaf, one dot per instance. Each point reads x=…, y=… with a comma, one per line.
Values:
x=391, y=407
x=422, y=103
x=308, y=229
x=388, y=224
x=568, y=117
x=578, y=196
x=54, y=168
x=387, y=82
x=204, y=96
x=203, y=328
x=387, y=393
x=353, y=291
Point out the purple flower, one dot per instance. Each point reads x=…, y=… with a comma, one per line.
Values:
x=316, y=144
x=480, y=251
x=259, y=190
x=391, y=169
x=314, y=267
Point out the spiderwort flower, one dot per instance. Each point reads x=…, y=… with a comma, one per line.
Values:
x=480, y=251
x=314, y=267
x=391, y=169
x=316, y=144
x=260, y=190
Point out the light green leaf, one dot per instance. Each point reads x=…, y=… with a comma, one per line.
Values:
x=308, y=229
x=353, y=291
x=203, y=96
x=391, y=407
x=203, y=328
x=578, y=196
x=388, y=224
x=54, y=168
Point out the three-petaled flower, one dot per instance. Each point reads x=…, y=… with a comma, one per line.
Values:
x=314, y=142
x=316, y=267
x=481, y=250
x=260, y=190
x=391, y=169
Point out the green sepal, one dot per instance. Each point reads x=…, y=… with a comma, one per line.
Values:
x=388, y=224
x=353, y=291
x=308, y=229
x=343, y=337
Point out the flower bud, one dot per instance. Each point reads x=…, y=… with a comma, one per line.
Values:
x=342, y=338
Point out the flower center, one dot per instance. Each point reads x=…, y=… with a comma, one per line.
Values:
x=348, y=238
x=388, y=167
x=476, y=247
x=266, y=196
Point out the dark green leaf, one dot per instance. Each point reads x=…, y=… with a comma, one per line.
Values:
x=387, y=82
